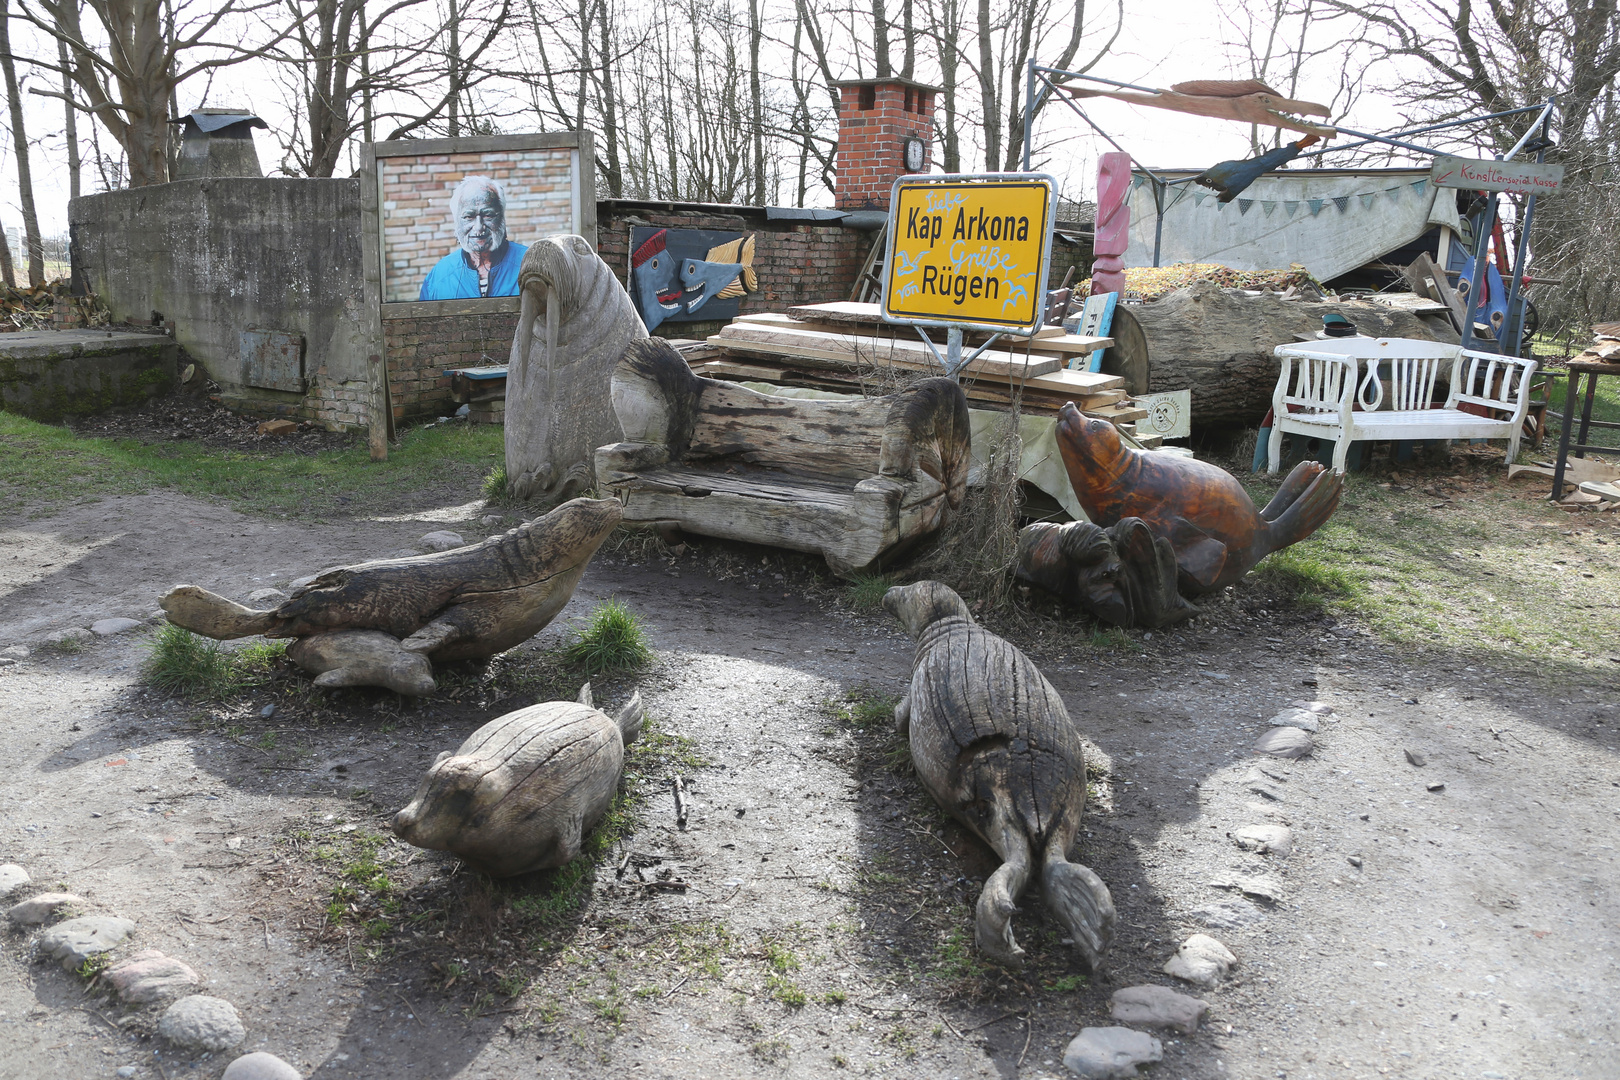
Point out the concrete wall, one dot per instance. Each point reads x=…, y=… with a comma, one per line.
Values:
x=219, y=256
x=52, y=374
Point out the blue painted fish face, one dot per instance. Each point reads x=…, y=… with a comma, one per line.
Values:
x=656, y=288
x=703, y=279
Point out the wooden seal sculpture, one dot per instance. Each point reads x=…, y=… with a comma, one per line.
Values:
x=1202, y=510
x=525, y=789
x=1123, y=574
x=994, y=746
x=465, y=603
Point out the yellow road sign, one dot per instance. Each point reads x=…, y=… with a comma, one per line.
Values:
x=968, y=251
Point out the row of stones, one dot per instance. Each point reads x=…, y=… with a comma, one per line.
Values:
x=193, y=1021
x=1105, y=1053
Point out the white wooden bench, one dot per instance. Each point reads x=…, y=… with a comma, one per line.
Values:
x=1393, y=381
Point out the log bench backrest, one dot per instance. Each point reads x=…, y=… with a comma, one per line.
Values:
x=822, y=438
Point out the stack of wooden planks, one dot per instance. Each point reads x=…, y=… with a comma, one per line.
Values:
x=847, y=346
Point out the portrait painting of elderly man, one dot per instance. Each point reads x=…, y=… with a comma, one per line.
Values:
x=485, y=262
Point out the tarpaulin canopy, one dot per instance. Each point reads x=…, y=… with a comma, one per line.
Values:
x=1328, y=220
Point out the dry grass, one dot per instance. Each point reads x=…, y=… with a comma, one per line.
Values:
x=976, y=552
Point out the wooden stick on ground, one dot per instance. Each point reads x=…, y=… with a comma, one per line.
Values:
x=681, y=807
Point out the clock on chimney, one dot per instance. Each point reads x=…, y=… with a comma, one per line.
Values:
x=915, y=151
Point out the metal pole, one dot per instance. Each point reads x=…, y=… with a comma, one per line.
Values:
x=953, y=351
x=1029, y=115
x=1515, y=321
x=1158, y=218
x=1486, y=219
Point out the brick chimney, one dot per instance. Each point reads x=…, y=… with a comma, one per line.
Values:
x=876, y=119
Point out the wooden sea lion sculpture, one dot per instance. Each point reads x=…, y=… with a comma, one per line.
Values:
x=468, y=602
x=525, y=789
x=994, y=746
x=1123, y=574
x=1201, y=509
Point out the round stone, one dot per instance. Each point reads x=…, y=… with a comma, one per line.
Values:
x=201, y=1022
x=260, y=1066
x=440, y=540
x=1110, y=1052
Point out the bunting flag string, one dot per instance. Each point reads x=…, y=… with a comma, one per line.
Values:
x=1293, y=206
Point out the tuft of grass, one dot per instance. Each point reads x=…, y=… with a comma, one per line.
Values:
x=1307, y=579
x=195, y=667
x=493, y=487
x=866, y=590
x=613, y=640
x=1068, y=984
x=864, y=710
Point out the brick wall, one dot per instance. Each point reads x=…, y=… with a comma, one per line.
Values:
x=419, y=351
x=874, y=121
x=797, y=263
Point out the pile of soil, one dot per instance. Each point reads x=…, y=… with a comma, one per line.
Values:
x=196, y=415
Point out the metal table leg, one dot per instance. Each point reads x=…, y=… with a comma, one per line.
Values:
x=1570, y=393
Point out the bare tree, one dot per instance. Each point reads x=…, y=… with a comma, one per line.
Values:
x=70, y=122
x=19, y=137
x=129, y=84
x=1444, y=59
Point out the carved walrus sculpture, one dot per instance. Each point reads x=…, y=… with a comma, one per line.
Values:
x=1122, y=574
x=468, y=602
x=524, y=790
x=993, y=744
x=1201, y=509
x=574, y=323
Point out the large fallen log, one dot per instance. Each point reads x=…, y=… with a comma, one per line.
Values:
x=1218, y=343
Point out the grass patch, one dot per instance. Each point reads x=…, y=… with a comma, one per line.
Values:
x=866, y=590
x=202, y=669
x=1605, y=406
x=864, y=710
x=1452, y=556
x=613, y=640
x=45, y=466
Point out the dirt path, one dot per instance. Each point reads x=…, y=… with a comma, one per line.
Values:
x=825, y=926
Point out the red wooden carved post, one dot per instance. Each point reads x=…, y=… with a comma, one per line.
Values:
x=1113, y=224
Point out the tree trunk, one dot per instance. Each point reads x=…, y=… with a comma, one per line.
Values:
x=880, y=34
x=987, y=92
x=452, y=64
x=19, y=135
x=7, y=270
x=610, y=108
x=756, y=101
x=70, y=122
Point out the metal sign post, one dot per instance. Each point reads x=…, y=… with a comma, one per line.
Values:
x=968, y=251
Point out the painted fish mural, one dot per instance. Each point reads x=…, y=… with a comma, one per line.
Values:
x=676, y=273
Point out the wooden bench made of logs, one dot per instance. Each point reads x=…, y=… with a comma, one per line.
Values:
x=1383, y=389
x=852, y=481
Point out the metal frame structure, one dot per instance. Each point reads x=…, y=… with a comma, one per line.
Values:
x=1512, y=330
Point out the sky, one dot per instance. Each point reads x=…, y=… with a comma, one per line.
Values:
x=1163, y=41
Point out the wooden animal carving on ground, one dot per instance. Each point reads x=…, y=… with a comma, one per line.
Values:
x=993, y=744
x=380, y=623
x=1123, y=575
x=574, y=324
x=1201, y=509
x=525, y=789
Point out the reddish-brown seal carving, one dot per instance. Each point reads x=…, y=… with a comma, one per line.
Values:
x=1201, y=509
